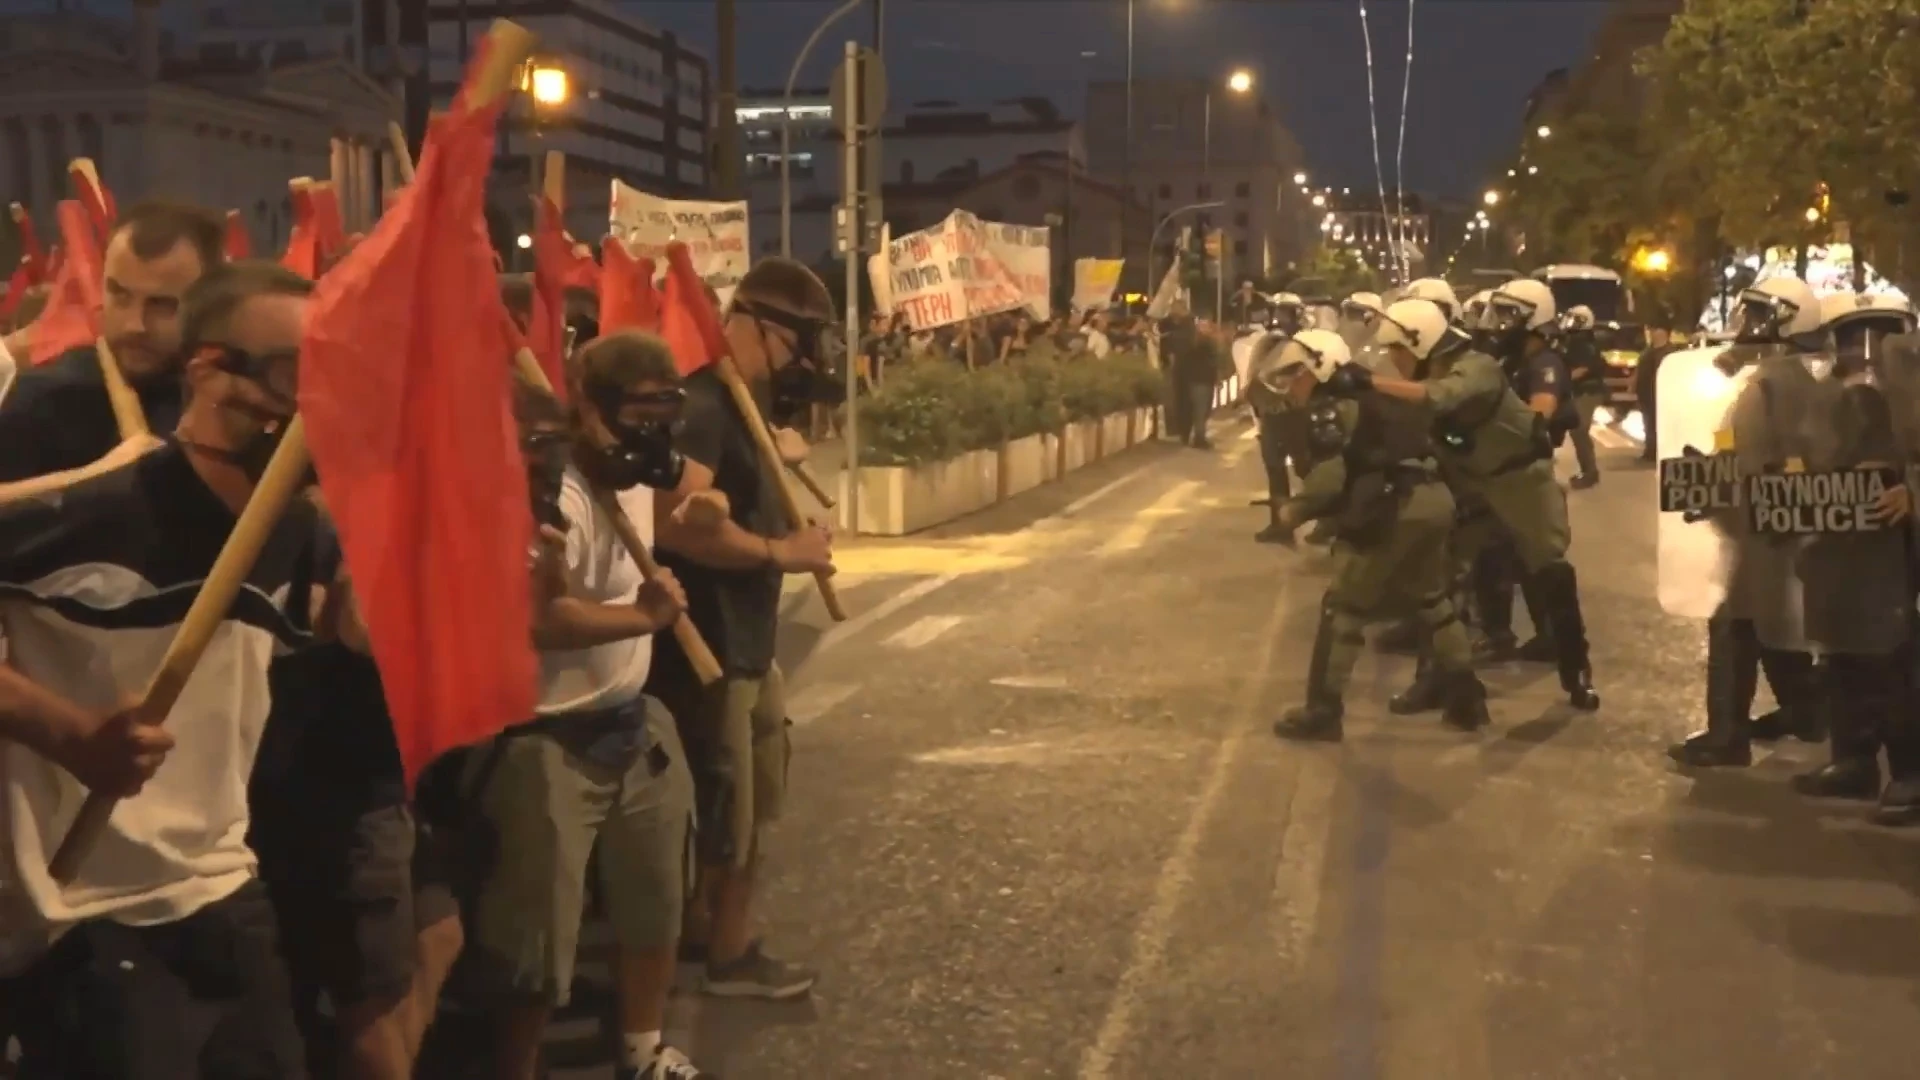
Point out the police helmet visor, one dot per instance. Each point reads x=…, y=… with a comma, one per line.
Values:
x=1762, y=316
x=1507, y=313
x=1862, y=337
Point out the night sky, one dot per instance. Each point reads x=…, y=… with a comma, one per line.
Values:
x=1474, y=62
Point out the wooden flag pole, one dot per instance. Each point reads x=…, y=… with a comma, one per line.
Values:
x=757, y=427
x=705, y=665
x=128, y=416
x=285, y=476
x=402, y=157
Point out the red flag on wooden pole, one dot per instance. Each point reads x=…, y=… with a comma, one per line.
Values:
x=405, y=393
x=72, y=315
x=552, y=258
x=239, y=245
x=627, y=297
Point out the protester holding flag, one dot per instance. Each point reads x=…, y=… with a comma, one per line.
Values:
x=58, y=415
x=776, y=330
x=160, y=958
x=600, y=768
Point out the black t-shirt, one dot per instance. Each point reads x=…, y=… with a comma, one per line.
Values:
x=736, y=610
x=329, y=738
x=1545, y=373
x=57, y=416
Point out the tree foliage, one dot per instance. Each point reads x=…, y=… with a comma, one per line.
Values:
x=1341, y=268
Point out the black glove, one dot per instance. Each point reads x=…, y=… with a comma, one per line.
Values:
x=1350, y=380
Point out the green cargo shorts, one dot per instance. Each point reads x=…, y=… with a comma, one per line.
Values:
x=737, y=727
x=551, y=807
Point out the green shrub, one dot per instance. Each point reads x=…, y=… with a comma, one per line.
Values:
x=932, y=408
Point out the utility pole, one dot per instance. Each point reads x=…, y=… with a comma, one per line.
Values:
x=879, y=26
x=726, y=171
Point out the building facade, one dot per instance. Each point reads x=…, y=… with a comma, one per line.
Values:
x=1195, y=142
x=220, y=134
x=929, y=143
x=638, y=108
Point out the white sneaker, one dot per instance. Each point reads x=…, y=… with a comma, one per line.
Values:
x=671, y=1064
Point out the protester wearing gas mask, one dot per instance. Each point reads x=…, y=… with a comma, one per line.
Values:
x=779, y=330
x=600, y=766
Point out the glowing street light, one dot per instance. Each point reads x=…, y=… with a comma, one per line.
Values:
x=524, y=242
x=1533, y=170
x=548, y=85
x=1300, y=178
x=1319, y=200
x=1544, y=131
x=1813, y=215
x=1492, y=198
x=1656, y=261
x=1240, y=81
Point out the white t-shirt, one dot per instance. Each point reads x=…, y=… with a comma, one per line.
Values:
x=1097, y=343
x=598, y=570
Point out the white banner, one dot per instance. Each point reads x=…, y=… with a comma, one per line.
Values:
x=1094, y=282
x=1028, y=256
x=715, y=234
x=944, y=274
x=879, y=275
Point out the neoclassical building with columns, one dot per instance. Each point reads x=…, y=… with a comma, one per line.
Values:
x=223, y=135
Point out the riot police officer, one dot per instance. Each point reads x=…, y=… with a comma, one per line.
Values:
x=1437, y=292
x=1282, y=429
x=1759, y=620
x=1858, y=587
x=1493, y=446
x=1587, y=382
x=1377, y=481
x=1288, y=314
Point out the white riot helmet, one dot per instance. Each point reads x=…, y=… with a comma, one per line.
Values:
x=1474, y=311
x=1316, y=352
x=1860, y=323
x=1362, y=306
x=1522, y=302
x=1419, y=325
x=1435, y=291
x=1776, y=309
x=1289, y=312
x=1578, y=317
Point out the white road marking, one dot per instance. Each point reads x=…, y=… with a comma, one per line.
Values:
x=924, y=630
x=812, y=703
x=1303, y=858
x=1135, y=533
x=1149, y=953
x=908, y=595
x=1031, y=682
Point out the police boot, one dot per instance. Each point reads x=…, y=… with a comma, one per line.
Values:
x=1541, y=648
x=1853, y=724
x=1493, y=599
x=1559, y=593
x=1788, y=674
x=1900, y=800
x=1321, y=534
x=1427, y=692
x=1319, y=719
x=1465, y=701
x=1400, y=639
x=1732, y=669
x=1274, y=534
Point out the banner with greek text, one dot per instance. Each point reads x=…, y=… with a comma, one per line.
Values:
x=1027, y=254
x=1094, y=282
x=947, y=273
x=715, y=233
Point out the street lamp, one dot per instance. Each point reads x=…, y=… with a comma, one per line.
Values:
x=786, y=126
x=1300, y=178
x=1544, y=132
x=524, y=242
x=1533, y=170
x=1319, y=201
x=1657, y=261
x=1813, y=215
x=1240, y=82
x=1491, y=198
x=546, y=84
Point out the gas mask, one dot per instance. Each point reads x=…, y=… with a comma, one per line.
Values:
x=806, y=379
x=642, y=453
x=276, y=373
x=1505, y=331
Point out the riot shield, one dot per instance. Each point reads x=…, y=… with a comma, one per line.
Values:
x=1262, y=353
x=1856, y=580
x=1726, y=414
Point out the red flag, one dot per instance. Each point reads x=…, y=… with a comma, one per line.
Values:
x=239, y=245
x=582, y=272
x=72, y=315
x=32, y=269
x=301, y=256
x=688, y=320
x=552, y=258
x=405, y=390
x=627, y=297
x=97, y=199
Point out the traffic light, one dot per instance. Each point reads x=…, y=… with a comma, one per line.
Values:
x=1193, y=267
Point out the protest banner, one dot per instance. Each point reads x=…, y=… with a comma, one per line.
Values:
x=880, y=275
x=1026, y=253
x=948, y=272
x=714, y=232
x=1094, y=282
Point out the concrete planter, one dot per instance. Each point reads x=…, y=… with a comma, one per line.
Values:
x=1025, y=464
x=897, y=500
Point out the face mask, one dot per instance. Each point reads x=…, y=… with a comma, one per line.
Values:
x=642, y=453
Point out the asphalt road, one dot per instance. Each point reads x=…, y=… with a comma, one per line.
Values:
x=1041, y=829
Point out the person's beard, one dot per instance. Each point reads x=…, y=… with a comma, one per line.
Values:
x=141, y=360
